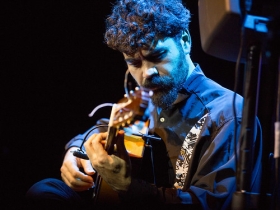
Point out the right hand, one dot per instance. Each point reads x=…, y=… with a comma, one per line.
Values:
x=71, y=174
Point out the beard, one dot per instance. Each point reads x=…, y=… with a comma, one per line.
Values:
x=166, y=87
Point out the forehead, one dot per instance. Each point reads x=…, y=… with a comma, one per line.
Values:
x=163, y=44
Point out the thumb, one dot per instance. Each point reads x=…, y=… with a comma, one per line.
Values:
x=87, y=167
x=121, y=150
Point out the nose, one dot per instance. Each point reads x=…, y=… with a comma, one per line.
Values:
x=147, y=72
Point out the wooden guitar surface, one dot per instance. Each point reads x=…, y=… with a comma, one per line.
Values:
x=127, y=112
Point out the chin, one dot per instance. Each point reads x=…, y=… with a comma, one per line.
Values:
x=164, y=100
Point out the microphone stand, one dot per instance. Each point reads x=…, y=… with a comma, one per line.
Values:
x=243, y=198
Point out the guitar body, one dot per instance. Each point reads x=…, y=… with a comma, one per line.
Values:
x=106, y=197
x=128, y=116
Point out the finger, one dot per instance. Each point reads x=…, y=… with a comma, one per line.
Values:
x=67, y=177
x=73, y=176
x=94, y=146
x=97, y=137
x=87, y=167
x=76, y=184
x=72, y=172
x=121, y=150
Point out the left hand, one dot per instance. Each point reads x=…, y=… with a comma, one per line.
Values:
x=114, y=170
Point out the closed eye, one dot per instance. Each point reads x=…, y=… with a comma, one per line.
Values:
x=134, y=62
x=156, y=56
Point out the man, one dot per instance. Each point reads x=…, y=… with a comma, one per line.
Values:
x=191, y=114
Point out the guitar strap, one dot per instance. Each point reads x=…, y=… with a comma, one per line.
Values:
x=183, y=161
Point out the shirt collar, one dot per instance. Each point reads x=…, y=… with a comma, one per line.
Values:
x=188, y=85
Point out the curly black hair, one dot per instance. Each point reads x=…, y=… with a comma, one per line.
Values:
x=136, y=24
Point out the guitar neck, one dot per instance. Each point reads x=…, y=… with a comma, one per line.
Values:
x=109, y=146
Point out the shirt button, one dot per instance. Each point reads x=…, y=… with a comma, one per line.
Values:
x=162, y=119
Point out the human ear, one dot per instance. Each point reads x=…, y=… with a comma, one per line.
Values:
x=186, y=41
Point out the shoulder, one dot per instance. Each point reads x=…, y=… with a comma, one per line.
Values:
x=222, y=104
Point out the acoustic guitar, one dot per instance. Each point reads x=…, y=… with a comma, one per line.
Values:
x=128, y=115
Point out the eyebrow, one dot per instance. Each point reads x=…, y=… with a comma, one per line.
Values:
x=148, y=56
x=155, y=52
x=132, y=59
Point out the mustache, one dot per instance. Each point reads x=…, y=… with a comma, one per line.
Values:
x=157, y=81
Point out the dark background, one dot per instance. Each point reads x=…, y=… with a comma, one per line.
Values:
x=55, y=69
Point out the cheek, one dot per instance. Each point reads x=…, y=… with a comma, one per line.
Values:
x=166, y=68
x=168, y=64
